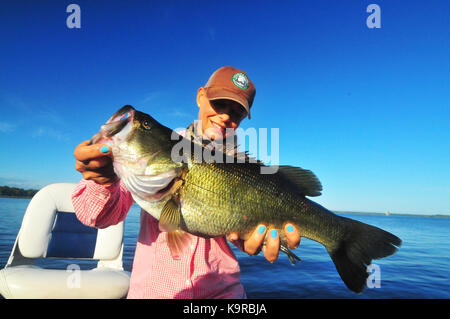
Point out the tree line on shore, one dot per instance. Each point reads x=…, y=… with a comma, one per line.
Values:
x=17, y=192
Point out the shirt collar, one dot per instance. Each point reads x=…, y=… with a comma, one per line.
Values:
x=229, y=147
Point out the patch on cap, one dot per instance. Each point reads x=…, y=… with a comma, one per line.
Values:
x=240, y=80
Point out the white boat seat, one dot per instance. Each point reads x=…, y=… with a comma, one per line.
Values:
x=51, y=230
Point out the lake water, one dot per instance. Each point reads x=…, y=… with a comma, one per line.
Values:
x=420, y=269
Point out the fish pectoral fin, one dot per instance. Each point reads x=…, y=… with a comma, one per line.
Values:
x=292, y=257
x=170, y=218
x=170, y=221
x=305, y=180
x=177, y=240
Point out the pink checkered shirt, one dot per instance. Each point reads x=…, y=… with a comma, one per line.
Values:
x=208, y=269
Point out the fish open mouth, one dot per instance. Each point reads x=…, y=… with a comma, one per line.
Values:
x=117, y=127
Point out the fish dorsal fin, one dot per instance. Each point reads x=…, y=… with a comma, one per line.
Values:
x=170, y=221
x=305, y=180
x=246, y=157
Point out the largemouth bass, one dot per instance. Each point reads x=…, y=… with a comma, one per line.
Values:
x=215, y=198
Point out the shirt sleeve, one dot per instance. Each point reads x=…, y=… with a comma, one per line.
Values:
x=101, y=206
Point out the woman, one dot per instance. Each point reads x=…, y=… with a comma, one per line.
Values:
x=207, y=268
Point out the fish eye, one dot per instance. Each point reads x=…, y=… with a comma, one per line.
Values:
x=146, y=124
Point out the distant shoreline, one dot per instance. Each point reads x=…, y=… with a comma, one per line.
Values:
x=391, y=214
x=336, y=211
x=16, y=192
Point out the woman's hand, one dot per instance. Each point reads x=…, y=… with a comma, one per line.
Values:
x=94, y=162
x=255, y=243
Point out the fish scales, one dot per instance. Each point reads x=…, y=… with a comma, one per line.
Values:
x=238, y=195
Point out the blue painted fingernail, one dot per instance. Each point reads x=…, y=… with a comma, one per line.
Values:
x=273, y=233
x=261, y=229
x=104, y=149
x=290, y=229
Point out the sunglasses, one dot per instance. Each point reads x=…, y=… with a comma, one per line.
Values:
x=236, y=111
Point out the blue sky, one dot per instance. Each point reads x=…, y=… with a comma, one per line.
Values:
x=367, y=110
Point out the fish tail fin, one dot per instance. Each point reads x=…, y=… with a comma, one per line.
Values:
x=355, y=252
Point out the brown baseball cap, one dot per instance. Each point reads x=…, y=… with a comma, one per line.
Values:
x=231, y=84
